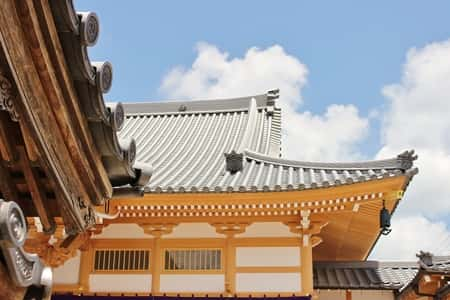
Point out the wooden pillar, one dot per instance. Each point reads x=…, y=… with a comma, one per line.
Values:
x=157, y=231
x=156, y=264
x=230, y=266
x=86, y=261
x=230, y=230
x=348, y=295
x=307, y=266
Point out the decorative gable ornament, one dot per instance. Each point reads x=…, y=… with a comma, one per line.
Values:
x=406, y=159
x=234, y=161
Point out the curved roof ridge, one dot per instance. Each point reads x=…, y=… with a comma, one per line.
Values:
x=200, y=106
x=402, y=161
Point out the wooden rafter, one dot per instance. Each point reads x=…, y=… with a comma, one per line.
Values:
x=29, y=69
x=36, y=191
x=29, y=143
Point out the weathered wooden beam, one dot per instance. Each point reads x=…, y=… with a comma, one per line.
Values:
x=29, y=143
x=37, y=193
x=18, y=40
x=70, y=96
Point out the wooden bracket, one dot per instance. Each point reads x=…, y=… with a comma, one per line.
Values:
x=158, y=230
x=230, y=229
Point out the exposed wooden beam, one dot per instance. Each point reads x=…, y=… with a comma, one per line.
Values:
x=37, y=193
x=67, y=89
x=18, y=40
x=29, y=143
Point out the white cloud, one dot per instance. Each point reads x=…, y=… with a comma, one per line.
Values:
x=306, y=136
x=410, y=235
x=419, y=118
x=329, y=137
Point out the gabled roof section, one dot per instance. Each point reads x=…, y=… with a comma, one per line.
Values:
x=186, y=141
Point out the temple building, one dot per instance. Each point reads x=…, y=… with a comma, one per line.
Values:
x=180, y=199
x=224, y=215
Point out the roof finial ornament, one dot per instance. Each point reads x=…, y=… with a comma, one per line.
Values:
x=272, y=95
x=425, y=257
x=234, y=161
x=405, y=159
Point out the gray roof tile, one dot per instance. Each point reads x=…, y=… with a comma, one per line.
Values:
x=186, y=142
x=363, y=275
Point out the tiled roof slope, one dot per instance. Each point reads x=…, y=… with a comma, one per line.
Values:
x=186, y=143
x=364, y=275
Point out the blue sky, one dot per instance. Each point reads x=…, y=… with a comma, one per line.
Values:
x=352, y=50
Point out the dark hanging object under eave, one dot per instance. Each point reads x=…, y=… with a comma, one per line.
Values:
x=385, y=220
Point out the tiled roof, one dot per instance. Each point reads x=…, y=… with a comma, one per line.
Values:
x=439, y=264
x=186, y=143
x=77, y=31
x=374, y=274
x=363, y=275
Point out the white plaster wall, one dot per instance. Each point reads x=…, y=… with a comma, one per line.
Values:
x=372, y=295
x=192, y=283
x=331, y=294
x=268, y=282
x=267, y=256
x=123, y=231
x=138, y=283
x=194, y=230
x=69, y=272
x=267, y=229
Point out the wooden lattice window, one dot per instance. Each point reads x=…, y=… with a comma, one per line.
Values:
x=192, y=259
x=122, y=260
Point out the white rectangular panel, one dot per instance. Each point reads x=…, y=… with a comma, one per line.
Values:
x=69, y=272
x=135, y=283
x=192, y=283
x=268, y=282
x=267, y=256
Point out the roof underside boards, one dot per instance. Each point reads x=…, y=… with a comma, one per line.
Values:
x=363, y=275
x=186, y=142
